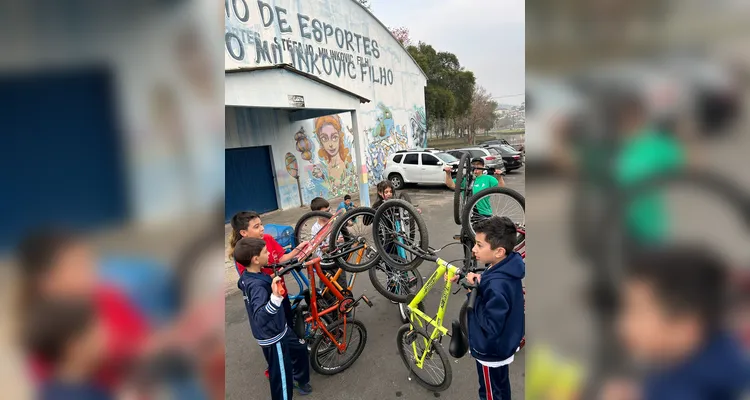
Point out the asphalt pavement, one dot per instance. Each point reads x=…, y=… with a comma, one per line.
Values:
x=379, y=372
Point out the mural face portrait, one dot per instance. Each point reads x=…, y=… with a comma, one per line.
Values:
x=329, y=139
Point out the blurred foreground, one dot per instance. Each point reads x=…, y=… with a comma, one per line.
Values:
x=620, y=94
x=112, y=129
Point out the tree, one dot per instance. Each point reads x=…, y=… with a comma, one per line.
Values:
x=481, y=116
x=449, y=87
x=402, y=35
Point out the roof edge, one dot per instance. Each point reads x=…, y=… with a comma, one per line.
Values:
x=290, y=68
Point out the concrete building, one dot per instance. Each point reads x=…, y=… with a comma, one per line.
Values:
x=317, y=95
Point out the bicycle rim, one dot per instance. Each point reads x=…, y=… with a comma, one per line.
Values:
x=397, y=224
x=496, y=201
x=351, y=230
x=327, y=359
x=395, y=285
x=435, y=374
x=303, y=228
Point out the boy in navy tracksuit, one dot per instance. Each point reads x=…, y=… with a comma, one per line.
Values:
x=496, y=324
x=672, y=324
x=286, y=354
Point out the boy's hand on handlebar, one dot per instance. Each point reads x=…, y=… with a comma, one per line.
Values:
x=276, y=287
x=473, y=278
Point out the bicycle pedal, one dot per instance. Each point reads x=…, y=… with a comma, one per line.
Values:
x=457, y=237
x=367, y=301
x=410, y=337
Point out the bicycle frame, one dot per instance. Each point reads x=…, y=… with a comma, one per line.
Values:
x=313, y=268
x=417, y=315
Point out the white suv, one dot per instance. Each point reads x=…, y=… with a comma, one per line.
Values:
x=417, y=166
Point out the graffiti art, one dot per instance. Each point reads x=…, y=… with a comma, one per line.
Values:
x=334, y=166
x=382, y=146
x=303, y=144
x=419, y=127
x=291, y=165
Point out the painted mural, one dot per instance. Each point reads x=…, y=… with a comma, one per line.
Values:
x=418, y=122
x=384, y=139
x=330, y=172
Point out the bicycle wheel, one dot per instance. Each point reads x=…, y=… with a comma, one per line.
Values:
x=435, y=374
x=349, y=231
x=496, y=201
x=459, y=195
x=303, y=229
x=326, y=359
x=404, y=196
x=395, y=285
x=398, y=225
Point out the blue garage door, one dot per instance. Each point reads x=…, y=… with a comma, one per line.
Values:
x=61, y=158
x=249, y=181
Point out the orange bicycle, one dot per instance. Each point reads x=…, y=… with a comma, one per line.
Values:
x=342, y=341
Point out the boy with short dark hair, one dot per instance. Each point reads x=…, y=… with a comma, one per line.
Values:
x=672, y=323
x=346, y=204
x=496, y=324
x=70, y=337
x=285, y=353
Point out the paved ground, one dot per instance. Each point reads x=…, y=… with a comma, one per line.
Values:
x=379, y=373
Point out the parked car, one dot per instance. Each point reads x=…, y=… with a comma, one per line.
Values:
x=492, y=158
x=417, y=166
x=495, y=142
x=512, y=158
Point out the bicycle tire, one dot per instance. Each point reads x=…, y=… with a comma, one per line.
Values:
x=303, y=219
x=315, y=355
x=399, y=298
x=339, y=228
x=445, y=384
x=405, y=196
x=459, y=197
x=473, y=200
x=424, y=240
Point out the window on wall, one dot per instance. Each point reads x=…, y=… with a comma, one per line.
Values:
x=429, y=159
x=411, y=159
x=397, y=158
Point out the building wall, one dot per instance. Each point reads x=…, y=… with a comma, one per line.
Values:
x=341, y=42
x=166, y=86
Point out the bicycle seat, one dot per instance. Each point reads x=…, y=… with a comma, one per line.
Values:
x=459, y=343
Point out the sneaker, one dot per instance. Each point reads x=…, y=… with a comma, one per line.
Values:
x=303, y=390
x=267, y=376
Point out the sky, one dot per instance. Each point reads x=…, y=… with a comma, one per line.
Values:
x=487, y=36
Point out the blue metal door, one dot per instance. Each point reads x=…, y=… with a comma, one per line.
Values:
x=248, y=179
x=61, y=162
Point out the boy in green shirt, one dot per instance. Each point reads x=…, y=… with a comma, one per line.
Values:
x=481, y=182
x=645, y=153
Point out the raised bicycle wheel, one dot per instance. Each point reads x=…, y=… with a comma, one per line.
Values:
x=435, y=374
x=303, y=229
x=395, y=285
x=350, y=230
x=459, y=193
x=326, y=359
x=397, y=221
x=496, y=201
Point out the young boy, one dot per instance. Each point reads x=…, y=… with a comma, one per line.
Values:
x=481, y=182
x=346, y=204
x=285, y=353
x=321, y=204
x=496, y=324
x=68, y=334
x=672, y=323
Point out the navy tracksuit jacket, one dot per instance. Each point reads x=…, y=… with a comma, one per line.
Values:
x=497, y=324
x=285, y=353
